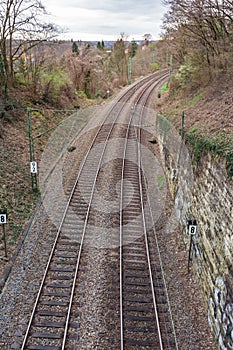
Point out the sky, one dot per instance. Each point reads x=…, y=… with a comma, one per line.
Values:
x=106, y=19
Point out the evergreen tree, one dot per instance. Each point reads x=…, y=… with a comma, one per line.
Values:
x=133, y=48
x=75, y=48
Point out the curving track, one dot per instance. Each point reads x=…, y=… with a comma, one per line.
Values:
x=144, y=320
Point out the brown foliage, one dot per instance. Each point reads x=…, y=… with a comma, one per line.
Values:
x=203, y=27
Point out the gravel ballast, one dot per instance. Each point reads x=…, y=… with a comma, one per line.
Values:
x=17, y=298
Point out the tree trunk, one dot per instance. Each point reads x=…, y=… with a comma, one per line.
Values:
x=4, y=71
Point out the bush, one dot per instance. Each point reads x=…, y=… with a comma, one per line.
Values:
x=220, y=144
x=154, y=67
x=53, y=83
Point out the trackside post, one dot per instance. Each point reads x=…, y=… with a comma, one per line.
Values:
x=3, y=221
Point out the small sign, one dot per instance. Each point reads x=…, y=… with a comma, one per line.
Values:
x=174, y=174
x=192, y=229
x=3, y=219
x=33, y=166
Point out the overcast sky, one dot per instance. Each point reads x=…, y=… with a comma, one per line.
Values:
x=106, y=19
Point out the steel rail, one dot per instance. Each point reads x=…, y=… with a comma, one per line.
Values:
x=121, y=230
x=152, y=86
x=84, y=232
x=146, y=238
x=157, y=247
x=122, y=95
x=59, y=231
x=58, y=235
x=87, y=216
x=145, y=230
x=62, y=221
x=63, y=218
x=56, y=240
x=85, y=225
x=86, y=220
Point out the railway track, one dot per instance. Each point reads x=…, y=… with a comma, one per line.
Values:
x=144, y=306
x=144, y=319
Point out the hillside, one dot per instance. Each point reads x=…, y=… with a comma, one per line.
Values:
x=17, y=196
x=208, y=119
x=211, y=108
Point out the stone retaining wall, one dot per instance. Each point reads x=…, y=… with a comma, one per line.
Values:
x=204, y=193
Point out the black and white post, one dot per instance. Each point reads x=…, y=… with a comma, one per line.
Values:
x=192, y=230
x=33, y=168
x=3, y=222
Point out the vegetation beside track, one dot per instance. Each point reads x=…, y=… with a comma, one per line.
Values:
x=208, y=113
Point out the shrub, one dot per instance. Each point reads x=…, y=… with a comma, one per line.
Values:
x=220, y=144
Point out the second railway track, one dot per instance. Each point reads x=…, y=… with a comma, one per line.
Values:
x=140, y=316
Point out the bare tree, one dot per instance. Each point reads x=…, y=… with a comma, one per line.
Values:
x=119, y=60
x=207, y=24
x=22, y=27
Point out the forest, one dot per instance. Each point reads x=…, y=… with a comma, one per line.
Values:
x=36, y=68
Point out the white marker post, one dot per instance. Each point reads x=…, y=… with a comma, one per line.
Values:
x=3, y=221
x=192, y=230
x=33, y=168
x=174, y=174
